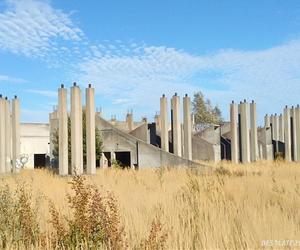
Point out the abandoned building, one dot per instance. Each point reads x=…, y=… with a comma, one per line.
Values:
x=167, y=141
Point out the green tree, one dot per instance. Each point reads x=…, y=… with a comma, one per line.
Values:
x=55, y=141
x=204, y=111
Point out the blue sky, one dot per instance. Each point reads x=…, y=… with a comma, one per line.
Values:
x=134, y=51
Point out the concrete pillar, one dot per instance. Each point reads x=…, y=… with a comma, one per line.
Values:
x=276, y=127
x=177, y=144
x=287, y=134
x=90, y=131
x=297, y=110
x=272, y=124
x=234, y=132
x=63, y=160
x=8, y=136
x=164, y=134
x=253, y=133
x=2, y=136
x=53, y=123
x=157, y=121
x=281, y=128
x=294, y=134
x=245, y=138
x=187, y=127
x=76, y=131
x=15, y=132
x=267, y=121
x=129, y=121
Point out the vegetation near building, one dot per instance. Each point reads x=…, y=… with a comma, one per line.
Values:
x=55, y=141
x=204, y=111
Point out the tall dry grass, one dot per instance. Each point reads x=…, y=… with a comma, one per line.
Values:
x=233, y=207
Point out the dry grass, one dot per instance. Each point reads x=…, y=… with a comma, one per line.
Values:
x=234, y=207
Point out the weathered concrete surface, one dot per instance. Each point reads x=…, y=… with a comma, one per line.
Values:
x=53, y=123
x=76, y=131
x=8, y=136
x=129, y=121
x=294, y=133
x=281, y=128
x=90, y=131
x=15, y=132
x=234, y=132
x=253, y=133
x=164, y=123
x=157, y=121
x=245, y=138
x=267, y=121
x=265, y=142
x=203, y=150
x=287, y=134
x=297, y=111
x=141, y=132
x=63, y=131
x=187, y=128
x=2, y=136
x=142, y=154
x=34, y=140
x=177, y=144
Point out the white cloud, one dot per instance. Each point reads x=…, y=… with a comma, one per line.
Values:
x=30, y=27
x=141, y=75
x=9, y=79
x=46, y=93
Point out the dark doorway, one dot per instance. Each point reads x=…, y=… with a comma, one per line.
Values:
x=108, y=157
x=39, y=160
x=123, y=158
x=225, y=149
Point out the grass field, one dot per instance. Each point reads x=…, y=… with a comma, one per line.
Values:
x=233, y=207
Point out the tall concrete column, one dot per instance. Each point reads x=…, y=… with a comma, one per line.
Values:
x=177, y=144
x=53, y=123
x=90, y=131
x=164, y=134
x=129, y=121
x=272, y=124
x=8, y=136
x=76, y=131
x=267, y=121
x=276, y=127
x=234, y=132
x=15, y=132
x=2, y=136
x=157, y=121
x=253, y=132
x=63, y=131
x=281, y=128
x=294, y=134
x=287, y=134
x=276, y=132
x=187, y=127
x=245, y=138
x=297, y=110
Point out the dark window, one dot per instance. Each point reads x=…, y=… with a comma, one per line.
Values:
x=123, y=158
x=39, y=161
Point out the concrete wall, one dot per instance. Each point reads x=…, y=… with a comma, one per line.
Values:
x=115, y=140
x=35, y=139
x=141, y=132
x=205, y=151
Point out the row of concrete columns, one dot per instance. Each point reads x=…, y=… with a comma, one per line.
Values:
x=244, y=142
x=288, y=132
x=76, y=131
x=182, y=143
x=9, y=134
